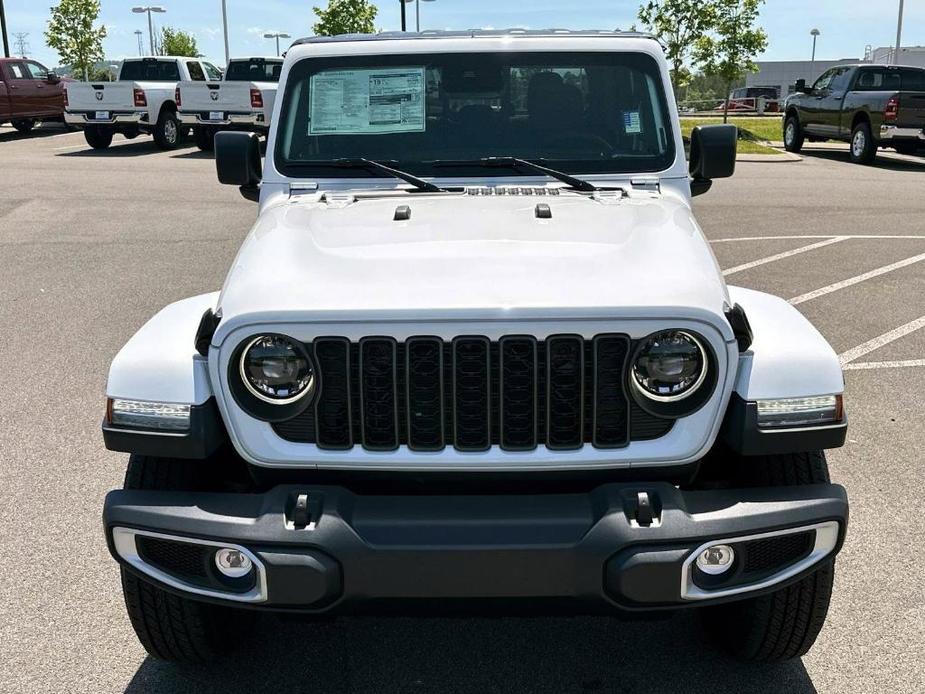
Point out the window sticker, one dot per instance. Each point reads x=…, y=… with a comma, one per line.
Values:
x=367, y=102
x=631, y=122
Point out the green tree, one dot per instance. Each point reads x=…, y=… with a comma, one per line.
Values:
x=730, y=49
x=678, y=25
x=346, y=17
x=176, y=42
x=70, y=31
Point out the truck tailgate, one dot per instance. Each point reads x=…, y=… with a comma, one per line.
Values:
x=100, y=96
x=911, y=110
x=215, y=96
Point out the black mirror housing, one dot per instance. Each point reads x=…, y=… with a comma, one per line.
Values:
x=801, y=87
x=52, y=78
x=713, y=154
x=237, y=162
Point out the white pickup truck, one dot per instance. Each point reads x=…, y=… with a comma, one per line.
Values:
x=243, y=100
x=141, y=101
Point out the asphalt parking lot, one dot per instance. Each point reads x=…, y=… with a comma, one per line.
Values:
x=93, y=243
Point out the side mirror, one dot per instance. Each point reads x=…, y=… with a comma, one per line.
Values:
x=52, y=78
x=713, y=155
x=801, y=87
x=237, y=162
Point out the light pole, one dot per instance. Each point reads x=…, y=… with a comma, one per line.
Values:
x=149, y=9
x=417, y=13
x=899, y=33
x=141, y=46
x=277, y=35
x=225, y=29
x=6, y=42
x=812, y=64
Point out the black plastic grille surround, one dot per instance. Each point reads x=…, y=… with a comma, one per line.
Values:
x=471, y=393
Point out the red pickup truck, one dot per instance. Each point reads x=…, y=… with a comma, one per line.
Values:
x=29, y=93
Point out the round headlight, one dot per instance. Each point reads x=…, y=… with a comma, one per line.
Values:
x=276, y=369
x=669, y=366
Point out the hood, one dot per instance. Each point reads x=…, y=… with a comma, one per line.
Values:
x=475, y=256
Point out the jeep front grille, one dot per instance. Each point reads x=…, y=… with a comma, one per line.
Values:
x=471, y=393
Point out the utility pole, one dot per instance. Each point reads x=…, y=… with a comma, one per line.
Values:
x=225, y=31
x=404, y=24
x=899, y=33
x=6, y=42
x=22, y=46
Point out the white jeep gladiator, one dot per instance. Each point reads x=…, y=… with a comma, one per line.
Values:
x=242, y=100
x=141, y=101
x=476, y=354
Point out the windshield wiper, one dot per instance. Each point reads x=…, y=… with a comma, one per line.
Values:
x=371, y=165
x=515, y=163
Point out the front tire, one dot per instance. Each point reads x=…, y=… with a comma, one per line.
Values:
x=171, y=627
x=793, y=134
x=24, y=126
x=167, y=130
x=783, y=624
x=98, y=137
x=863, y=144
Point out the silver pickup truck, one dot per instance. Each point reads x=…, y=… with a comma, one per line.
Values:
x=242, y=100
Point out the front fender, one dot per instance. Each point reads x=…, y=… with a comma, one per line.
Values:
x=788, y=358
x=160, y=363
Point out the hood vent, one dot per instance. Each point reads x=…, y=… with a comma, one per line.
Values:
x=512, y=190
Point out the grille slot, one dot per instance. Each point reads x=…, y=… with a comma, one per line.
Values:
x=378, y=393
x=424, y=375
x=565, y=366
x=470, y=393
x=774, y=553
x=333, y=412
x=182, y=559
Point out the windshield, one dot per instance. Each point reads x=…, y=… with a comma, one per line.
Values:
x=577, y=112
x=254, y=70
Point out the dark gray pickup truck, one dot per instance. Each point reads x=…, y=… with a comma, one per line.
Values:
x=870, y=106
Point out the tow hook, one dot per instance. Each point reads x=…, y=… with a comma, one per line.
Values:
x=303, y=511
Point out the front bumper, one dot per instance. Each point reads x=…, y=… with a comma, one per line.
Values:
x=87, y=118
x=323, y=549
x=892, y=132
x=242, y=120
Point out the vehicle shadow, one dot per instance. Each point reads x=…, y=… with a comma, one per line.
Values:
x=194, y=154
x=891, y=162
x=44, y=130
x=478, y=655
x=122, y=148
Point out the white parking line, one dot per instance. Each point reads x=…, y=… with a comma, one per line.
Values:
x=818, y=236
x=781, y=256
x=878, y=342
x=822, y=291
x=862, y=365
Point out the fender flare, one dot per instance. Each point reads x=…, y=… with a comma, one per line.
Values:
x=788, y=358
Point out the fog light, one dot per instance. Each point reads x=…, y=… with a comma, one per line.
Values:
x=716, y=560
x=233, y=563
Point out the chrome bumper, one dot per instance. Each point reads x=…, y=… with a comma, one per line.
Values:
x=83, y=118
x=892, y=132
x=231, y=119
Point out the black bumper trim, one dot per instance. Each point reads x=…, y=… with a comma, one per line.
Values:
x=741, y=433
x=553, y=546
x=206, y=434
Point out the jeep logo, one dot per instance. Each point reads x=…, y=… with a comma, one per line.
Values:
x=214, y=96
x=99, y=96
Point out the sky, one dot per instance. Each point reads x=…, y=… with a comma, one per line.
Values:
x=847, y=26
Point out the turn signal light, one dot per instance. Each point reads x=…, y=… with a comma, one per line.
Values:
x=800, y=412
x=142, y=414
x=140, y=98
x=256, y=98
